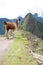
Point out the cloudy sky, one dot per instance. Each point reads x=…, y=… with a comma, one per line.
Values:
x=15, y=8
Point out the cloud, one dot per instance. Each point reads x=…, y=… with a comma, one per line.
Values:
x=14, y=8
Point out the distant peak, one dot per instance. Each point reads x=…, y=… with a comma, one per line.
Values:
x=29, y=14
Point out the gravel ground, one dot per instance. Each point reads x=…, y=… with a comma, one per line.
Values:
x=4, y=45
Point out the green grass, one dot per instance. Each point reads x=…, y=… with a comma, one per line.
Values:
x=40, y=46
x=19, y=53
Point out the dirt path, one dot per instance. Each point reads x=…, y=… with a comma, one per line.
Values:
x=4, y=44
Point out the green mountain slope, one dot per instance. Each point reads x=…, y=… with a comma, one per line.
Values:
x=19, y=53
x=32, y=25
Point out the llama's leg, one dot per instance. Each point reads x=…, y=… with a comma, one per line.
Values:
x=6, y=31
x=13, y=33
x=7, y=34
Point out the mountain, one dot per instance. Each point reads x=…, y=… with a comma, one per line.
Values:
x=40, y=19
x=11, y=20
x=33, y=25
x=6, y=19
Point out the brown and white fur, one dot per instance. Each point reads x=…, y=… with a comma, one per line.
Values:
x=10, y=26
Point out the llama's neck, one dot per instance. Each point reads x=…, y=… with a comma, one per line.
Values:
x=17, y=22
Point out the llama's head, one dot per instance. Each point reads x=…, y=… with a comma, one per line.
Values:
x=18, y=19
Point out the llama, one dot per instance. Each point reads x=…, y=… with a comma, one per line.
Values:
x=10, y=26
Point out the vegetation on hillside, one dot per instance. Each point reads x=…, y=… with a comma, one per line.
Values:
x=19, y=53
x=36, y=43
x=32, y=25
